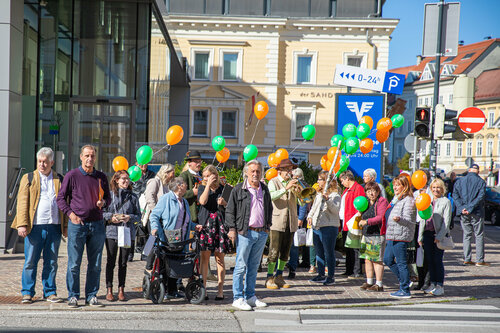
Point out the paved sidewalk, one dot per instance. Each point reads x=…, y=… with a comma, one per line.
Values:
x=461, y=282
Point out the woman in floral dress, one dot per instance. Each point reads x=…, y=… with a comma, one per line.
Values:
x=213, y=238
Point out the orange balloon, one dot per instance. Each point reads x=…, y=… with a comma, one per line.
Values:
x=261, y=109
x=419, y=180
x=331, y=156
x=366, y=145
x=366, y=120
x=384, y=124
x=174, y=135
x=325, y=163
x=382, y=136
x=222, y=155
x=272, y=160
x=281, y=154
x=271, y=173
x=407, y=175
x=423, y=201
x=120, y=163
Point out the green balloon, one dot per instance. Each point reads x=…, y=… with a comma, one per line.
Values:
x=144, y=155
x=351, y=145
x=334, y=141
x=250, y=153
x=425, y=214
x=344, y=164
x=308, y=132
x=363, y=131
x=349, y=130
x=397, y=120
x=134, y=173
x=218, y=143
x=360, y=203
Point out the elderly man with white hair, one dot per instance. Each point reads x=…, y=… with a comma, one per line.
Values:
x=370, y=175
x=41, y=224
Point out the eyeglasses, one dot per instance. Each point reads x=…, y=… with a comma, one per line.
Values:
x=124, y=178
x=320, y=180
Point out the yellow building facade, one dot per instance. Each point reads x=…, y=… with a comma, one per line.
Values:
x=289, y=63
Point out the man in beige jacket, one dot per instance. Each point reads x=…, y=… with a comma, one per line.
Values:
x=284, y=223
x=41, y=224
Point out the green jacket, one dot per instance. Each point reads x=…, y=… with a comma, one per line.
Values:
x=192, y=199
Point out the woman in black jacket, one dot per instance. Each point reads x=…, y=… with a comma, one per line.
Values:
x=124, y=210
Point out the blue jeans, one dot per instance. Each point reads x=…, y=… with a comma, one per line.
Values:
x=93, y=235
x=46, y=238
x=396, y=250
x=248, y=255
x=434, y=258
x=324, y=242
x=293, y=262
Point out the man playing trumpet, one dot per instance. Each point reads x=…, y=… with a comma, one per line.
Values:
x=284, y=223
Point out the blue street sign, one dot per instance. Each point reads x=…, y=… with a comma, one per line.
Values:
x=349, y=109
x=394, y=83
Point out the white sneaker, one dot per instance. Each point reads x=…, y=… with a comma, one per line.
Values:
x=430, y=289
x=241, y=304
x=254, y=302
x=438, y=291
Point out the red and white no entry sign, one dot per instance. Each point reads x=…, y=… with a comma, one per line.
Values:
x=471, y=120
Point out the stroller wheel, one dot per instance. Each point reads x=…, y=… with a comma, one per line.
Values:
x=195, y=292
x=146, y=287
x=157, y=291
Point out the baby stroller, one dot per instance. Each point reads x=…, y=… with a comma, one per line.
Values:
x=171, y=261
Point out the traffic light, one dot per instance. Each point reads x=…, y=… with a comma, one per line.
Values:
x=422, y=119
x=442, y=115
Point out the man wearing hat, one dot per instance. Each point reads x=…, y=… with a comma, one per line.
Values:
x=468, y=196
x=284, y=223
x=192, y=178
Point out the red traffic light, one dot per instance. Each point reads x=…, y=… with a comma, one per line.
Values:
x=423, y=114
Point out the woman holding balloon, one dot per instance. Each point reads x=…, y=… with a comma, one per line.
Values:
x=400, y=228
x=432, y=230
x=325, y=221
x=373, y=241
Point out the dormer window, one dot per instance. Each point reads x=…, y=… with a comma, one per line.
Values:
x=448, y=69
x=428, y=73
x=468, y=56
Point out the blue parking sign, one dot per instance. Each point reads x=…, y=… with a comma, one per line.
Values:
x=349, y=109
x=394, y=83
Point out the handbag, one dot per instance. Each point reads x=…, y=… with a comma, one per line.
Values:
x=124, y=239
x=175, y=235
x=353, y=225
x=420, y=257
x=352, y=241
x=309, y=237
x=299, y=239
x=446, y=243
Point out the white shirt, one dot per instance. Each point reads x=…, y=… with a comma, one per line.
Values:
x=47, y=211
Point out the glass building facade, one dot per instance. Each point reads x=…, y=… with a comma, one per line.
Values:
x=86, y=78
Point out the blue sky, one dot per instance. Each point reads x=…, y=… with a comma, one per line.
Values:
x=478, y=19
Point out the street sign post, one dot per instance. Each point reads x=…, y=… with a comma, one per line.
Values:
x=471, y=120
x=369, y=79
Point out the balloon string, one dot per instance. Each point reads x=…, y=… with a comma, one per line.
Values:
x=167, y=145
x=213, y=161
x=255, y=131
x=300, y=144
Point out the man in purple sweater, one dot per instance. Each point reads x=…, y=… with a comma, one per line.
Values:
x=83, y=194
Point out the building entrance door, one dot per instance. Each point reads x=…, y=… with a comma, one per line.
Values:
x=108, y=125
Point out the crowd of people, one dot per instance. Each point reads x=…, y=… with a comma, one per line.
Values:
x=94, y=214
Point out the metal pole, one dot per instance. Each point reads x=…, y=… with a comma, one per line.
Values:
x=415, y=154
x=433, y=157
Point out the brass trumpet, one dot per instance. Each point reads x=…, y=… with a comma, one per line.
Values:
x=304, y=192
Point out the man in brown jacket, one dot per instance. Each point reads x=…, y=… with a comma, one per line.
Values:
x=285, y=223
x=41, y=224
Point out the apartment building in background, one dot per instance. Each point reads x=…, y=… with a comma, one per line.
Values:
x=239, y=52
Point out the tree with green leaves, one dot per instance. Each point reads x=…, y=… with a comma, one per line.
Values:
x=425, y=163
x=404, y=162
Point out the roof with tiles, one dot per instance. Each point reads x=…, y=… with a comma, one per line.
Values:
x=466, y=56
x=488, y=85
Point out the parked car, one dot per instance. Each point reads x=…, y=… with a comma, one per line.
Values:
x=492, y=205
